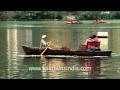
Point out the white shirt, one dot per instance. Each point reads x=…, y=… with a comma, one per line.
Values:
x=43, y=43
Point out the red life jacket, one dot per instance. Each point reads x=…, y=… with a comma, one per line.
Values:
x=88, y=40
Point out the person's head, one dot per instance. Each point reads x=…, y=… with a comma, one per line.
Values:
x=91, y=37
x=94, y=36
x=43, y=36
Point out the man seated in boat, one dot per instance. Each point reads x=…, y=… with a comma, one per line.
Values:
x=43, y=43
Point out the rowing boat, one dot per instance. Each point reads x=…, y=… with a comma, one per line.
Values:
x=102, y=22
x=29, y=50
x=74, y=23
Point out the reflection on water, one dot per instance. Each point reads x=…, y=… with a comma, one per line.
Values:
x=56, y=68
x=15, y=38
x=13, y=35
x=28, y=37
x=94, y=63
x=12, y=52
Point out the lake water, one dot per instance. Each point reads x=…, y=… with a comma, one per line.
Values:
x=13, y=64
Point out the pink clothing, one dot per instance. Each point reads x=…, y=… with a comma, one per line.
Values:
x=88, y=40
x=94, y=21
x=96, y=39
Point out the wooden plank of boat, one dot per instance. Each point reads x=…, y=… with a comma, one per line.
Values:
x=36, y=51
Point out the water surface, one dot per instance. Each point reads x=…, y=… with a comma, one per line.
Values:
x=13, y=65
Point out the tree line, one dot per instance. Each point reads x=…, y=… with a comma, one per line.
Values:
x=57, y=15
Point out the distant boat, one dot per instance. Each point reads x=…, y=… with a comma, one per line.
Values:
x=74, y=23
x=101, y=21
x=71, y=22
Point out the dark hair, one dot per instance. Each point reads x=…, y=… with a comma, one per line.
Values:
x=91, y=37
x=94, y=36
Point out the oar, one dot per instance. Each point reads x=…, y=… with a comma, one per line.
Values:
x=45, y=49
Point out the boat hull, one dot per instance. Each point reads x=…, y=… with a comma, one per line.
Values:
x=37, y=51
x=74, y=23
x=101, y=22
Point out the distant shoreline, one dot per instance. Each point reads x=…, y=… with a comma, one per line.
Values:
x=58, y=20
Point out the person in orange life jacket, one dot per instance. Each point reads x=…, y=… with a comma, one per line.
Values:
x=95, y=38
x=83, y=46
x=90, y=39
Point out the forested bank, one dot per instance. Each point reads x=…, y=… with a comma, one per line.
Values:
x=57, y=15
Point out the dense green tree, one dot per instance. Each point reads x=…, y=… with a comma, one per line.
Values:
x=60, y=15
x=3, y=16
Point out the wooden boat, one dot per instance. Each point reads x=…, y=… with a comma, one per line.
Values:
x=29, y=50
x=104, y=22
x=74, y=23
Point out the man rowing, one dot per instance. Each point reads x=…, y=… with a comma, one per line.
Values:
x=43, y=43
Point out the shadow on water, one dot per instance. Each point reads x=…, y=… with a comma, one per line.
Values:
x=63, y=68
